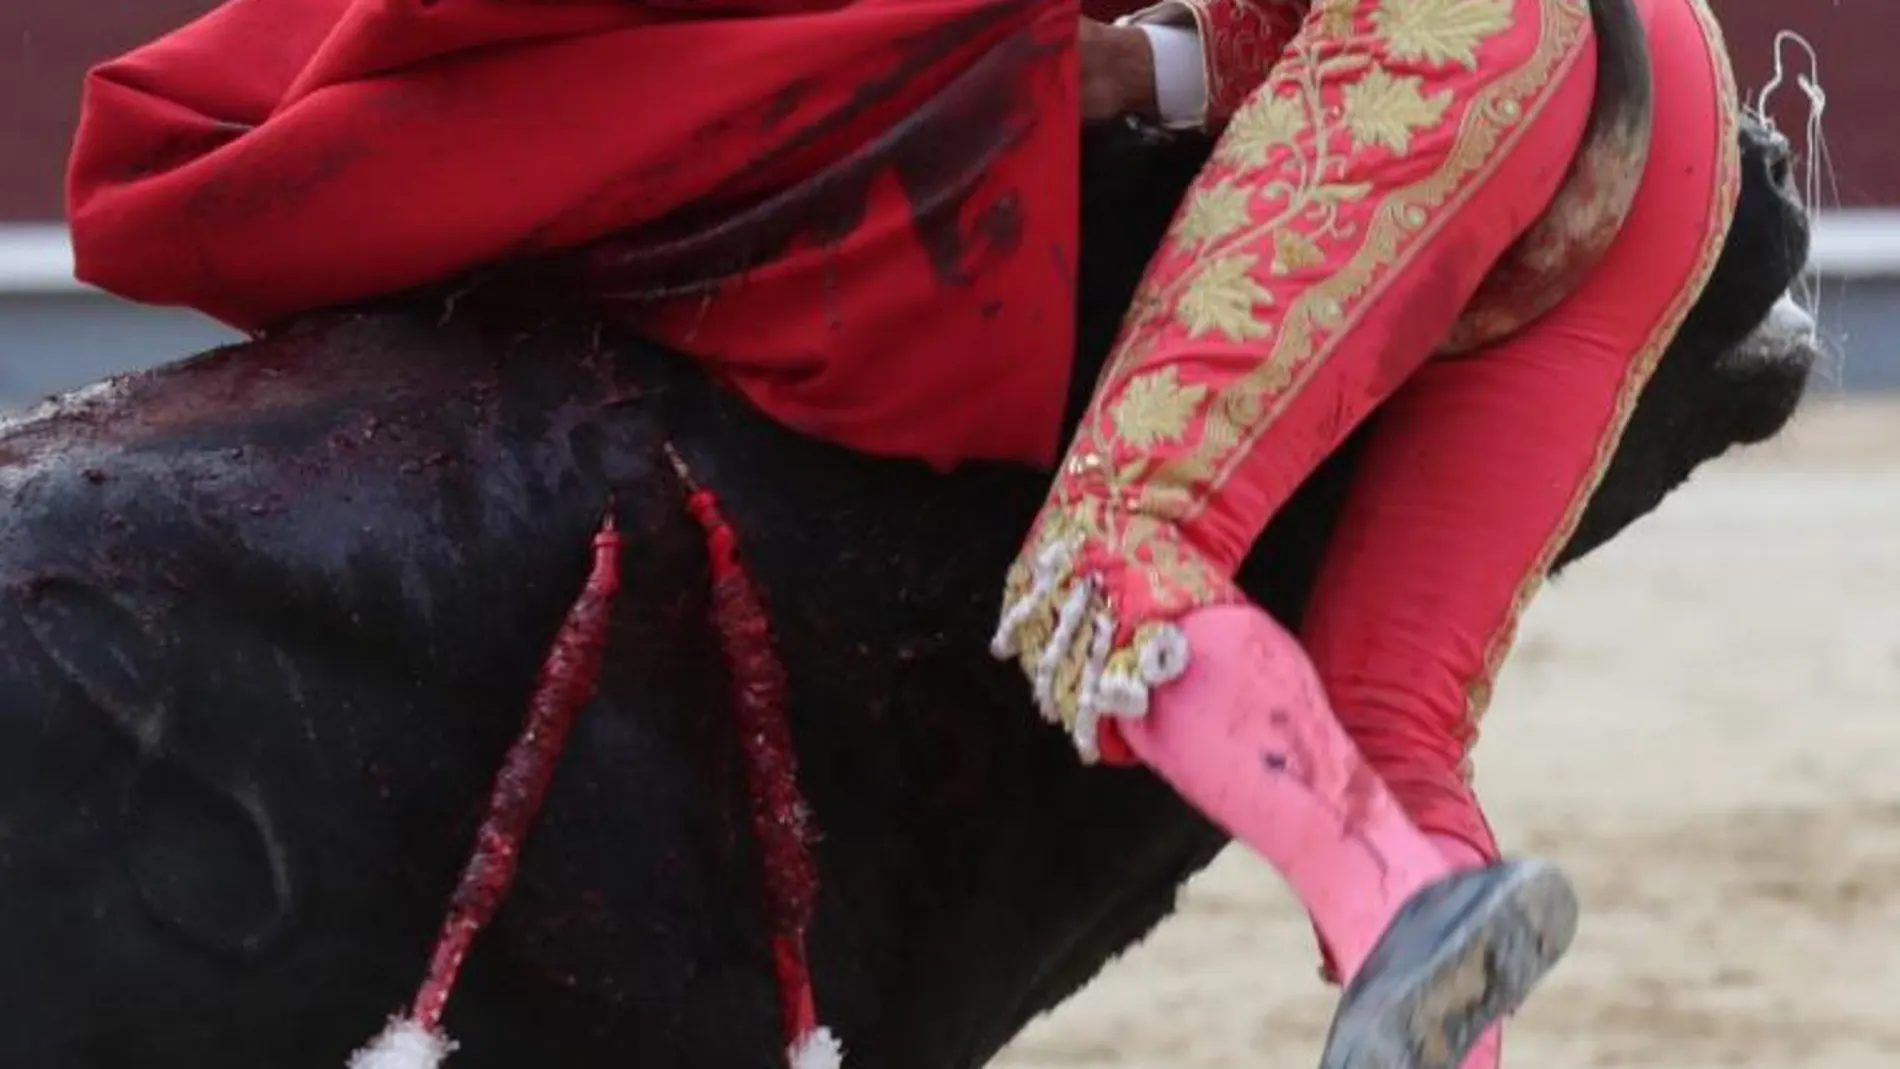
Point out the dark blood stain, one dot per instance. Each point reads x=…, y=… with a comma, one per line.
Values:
x=940, y=153
x=1362, y=787
x=180, y=149
x=1297, y=758
x=785, y=103
x=1001, y=224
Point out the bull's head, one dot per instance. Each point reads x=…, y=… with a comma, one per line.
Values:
x=1740, y=364
x=1766, y=255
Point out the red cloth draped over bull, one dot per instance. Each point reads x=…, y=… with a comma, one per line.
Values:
x=851, y=211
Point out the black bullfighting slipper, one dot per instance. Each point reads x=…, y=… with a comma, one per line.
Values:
x=1459, y=955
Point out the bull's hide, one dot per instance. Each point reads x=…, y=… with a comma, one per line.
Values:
x=268, y=619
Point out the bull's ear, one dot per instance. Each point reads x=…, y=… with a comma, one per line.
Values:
x=1776, y=152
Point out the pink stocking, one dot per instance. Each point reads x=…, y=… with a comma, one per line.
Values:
x=1247, y=736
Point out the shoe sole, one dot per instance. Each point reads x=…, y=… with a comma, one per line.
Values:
x=1429, y=1016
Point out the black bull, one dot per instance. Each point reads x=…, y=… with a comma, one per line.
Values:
x=268, y=619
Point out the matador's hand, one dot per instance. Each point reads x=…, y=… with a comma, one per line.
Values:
x=1118, y=72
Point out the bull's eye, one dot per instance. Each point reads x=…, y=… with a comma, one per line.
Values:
x=1780, y=156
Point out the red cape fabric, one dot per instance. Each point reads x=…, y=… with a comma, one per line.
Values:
x=862, y=214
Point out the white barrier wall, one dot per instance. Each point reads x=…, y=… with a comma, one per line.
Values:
x=56, y=334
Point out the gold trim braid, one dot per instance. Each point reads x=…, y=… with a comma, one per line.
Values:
x=1721, y=218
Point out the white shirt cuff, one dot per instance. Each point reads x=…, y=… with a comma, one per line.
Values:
x=1180, y=84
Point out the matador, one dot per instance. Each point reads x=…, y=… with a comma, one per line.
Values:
x=1376, y=158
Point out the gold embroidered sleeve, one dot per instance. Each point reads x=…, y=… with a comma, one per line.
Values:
x=1241, y=40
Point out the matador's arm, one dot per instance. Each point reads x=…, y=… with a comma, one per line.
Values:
x=1209, y=54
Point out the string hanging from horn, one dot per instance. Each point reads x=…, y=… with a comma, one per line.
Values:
x=1818, y=165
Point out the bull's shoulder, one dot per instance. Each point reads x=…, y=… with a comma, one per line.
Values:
x=369, y=448
x=376, y=492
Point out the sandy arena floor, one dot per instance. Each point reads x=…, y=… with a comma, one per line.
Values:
x=1703, y=724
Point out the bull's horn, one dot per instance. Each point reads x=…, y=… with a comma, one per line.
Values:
x=1570, y=238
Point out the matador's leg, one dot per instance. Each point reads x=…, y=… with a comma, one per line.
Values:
x=1354, y=204
x=1480, y=466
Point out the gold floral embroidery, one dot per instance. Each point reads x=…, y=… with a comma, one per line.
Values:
x=1384, y=110
x=1267, y=123
x=1156, y=408
x=1220, y=211
x=1440, y=32
x=1294, y=251
x=1222, y=298
x=1336, y=17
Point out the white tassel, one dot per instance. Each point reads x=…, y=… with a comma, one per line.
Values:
x=1050, y=566
x=1163, y=657
x=817, y=1049
x=1088, y=714
x=403, y=1045
x=1069, y=620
